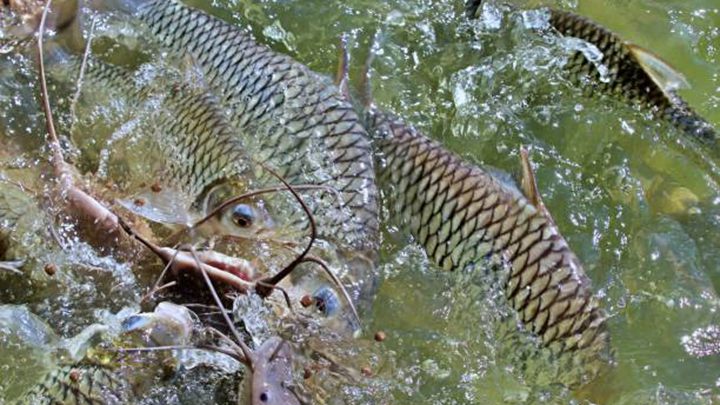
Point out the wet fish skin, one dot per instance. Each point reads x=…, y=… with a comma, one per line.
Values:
x=301, y=124
x=198, y=145
x=82, y=383
x=201, y=155
x=626, y=78
x=462, y=215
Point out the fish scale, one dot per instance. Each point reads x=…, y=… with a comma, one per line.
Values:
x=462, y=216
x=198, y=147
x=299, y=122
x=82, y=384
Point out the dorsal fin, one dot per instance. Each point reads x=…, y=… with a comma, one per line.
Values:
x=342, y=78
x=529, y=186
x=660, y=71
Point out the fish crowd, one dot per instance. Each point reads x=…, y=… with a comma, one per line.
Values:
x=271, y=186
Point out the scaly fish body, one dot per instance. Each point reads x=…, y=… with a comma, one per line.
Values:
x=625, y=74
x=462, y=215
x=78, y=384
x=200, y=157
x=297, y=122
x=106, y=376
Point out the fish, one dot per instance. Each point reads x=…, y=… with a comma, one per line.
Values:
x=19, y=215
x=629, y=72
x=98, y=374
x=81, y=383
x=464, y=217
x=201, y=160
x=296, y=121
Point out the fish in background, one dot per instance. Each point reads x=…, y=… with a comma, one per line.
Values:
x=626, y=71
x=20, y=19
x=200, y=160
x=465, y=217
x=89, y=368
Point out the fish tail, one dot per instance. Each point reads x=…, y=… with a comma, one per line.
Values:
x=684, y=118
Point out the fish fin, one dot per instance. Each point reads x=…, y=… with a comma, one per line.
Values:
x=136, y=322
x=528, y=182
x=13, y=266
x=529, y=185
x=166, y=206
x=660, y=71
x=364, y=85
x=342, y=78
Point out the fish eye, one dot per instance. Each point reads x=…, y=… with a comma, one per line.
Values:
x=326, y=301
x=264, y=397
x=243, y=216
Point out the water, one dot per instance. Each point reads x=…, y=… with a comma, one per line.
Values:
x=635, y=201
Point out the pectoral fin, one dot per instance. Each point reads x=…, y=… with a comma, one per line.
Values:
x=166, y=206
x=664, y=75
x=13, y=267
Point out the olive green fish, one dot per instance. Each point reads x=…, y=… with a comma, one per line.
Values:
x=296, y=121
x=462, y=216
x=82, y=383
x=628, y=71
x=200, y=157
x=17, y=209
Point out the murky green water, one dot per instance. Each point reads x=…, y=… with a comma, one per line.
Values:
x=637, y=203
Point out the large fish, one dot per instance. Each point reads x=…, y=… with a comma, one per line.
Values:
x=463, y=216
x=627, y=71
x=296, y=121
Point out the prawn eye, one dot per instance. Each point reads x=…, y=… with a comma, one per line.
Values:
x=243, y=216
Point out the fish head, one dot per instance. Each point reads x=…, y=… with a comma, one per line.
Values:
x=233, y=213
x=245, y=220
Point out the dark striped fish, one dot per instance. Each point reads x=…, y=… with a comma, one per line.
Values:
x=297, y=121
x=629, y=72
x=462, y=216
x=80, y=384
x=201, y=159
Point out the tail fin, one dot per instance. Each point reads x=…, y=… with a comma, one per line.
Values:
x=471, y=8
